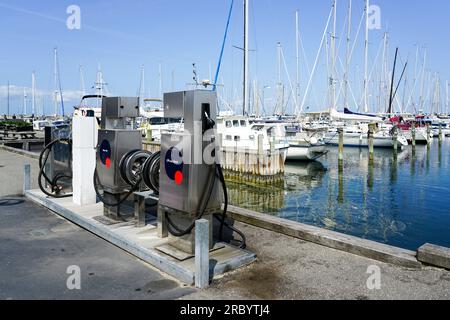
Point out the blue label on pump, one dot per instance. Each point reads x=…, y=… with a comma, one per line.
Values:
x=174, y=165
x=105, y=153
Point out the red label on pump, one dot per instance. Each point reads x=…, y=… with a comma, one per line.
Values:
x=108, y=163
x=179, y=177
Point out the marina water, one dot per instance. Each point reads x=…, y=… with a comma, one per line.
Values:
x=401, y=200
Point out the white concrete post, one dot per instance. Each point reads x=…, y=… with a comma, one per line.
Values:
x=85, y=135
x=202, y=254
x=26, y=178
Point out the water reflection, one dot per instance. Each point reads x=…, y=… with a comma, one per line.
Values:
x=260, y=199
x=340, y=198
x=399, y=198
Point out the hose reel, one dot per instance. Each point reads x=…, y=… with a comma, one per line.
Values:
x=131, y=166
x=141, y=166
x=151, y=172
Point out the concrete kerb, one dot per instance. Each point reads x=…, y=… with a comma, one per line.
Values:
x=331, y=239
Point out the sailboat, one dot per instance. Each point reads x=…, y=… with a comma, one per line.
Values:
x=356, y=128
x=241, y=132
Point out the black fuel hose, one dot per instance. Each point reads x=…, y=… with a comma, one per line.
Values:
x=98, y=184
x=134, y=187
x=178, y=232
x=53, y=183
x=223, y=217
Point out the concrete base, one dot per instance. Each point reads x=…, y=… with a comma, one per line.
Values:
x=142, y=242
x=434, y=255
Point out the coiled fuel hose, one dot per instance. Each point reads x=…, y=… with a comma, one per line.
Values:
x=178, y=232
x=135, y=167
x=54, y=185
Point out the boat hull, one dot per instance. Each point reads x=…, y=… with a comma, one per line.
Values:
x=421, y=136
x=305, y=153
x=361, y=141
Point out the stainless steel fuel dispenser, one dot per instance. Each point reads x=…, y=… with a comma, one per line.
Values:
x=189, y=188
x=116, y=139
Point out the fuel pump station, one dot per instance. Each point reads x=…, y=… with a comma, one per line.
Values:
x=190, y=188
x=119, y=156
x=185, y=176
x=183, y=181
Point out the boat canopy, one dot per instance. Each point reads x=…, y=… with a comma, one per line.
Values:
x=335, y=115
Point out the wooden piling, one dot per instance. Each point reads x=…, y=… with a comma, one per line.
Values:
x=413, y=135
x=341, y=182
x=370, y=140
x=341, y=144
x=395, y=137
x=440, y=132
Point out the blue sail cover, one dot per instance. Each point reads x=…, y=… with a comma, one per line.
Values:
x=347, y=111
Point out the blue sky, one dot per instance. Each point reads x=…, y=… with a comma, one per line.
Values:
x=122, y=35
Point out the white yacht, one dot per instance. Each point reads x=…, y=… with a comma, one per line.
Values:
x=357, y=136
x=154, y=122
x=304, y=144
x=356, y=128
x=241, y=133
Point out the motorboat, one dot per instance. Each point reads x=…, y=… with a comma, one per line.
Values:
x=243, y=134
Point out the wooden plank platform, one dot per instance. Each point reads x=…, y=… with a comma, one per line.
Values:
x=142, y=242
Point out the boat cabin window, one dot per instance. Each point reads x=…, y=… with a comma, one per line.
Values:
x=235, y=123
x=257, y=128
x=243, y=124
x=237, y=138
x=228, y=138
x=229, y=124
x=271, y=132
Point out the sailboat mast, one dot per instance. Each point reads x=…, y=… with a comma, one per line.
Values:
x=422, y=90
x=439, y=95
x=280, y=102
x=55, y=78
x=256, y=98
x=347, y=59
x=161, y=94
x=246, y=57
x=333, y=57
x=403, y=107
x=142, y=87
x=366, y=63
x=386, y=80
x=33, y=93
x=173, y=80
x=99, y=84
x=391, y=95
x=7, y=99
x=82, y=85
x=25, y=101
x=297, y=58
x=446, y=97
x=381, y=95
